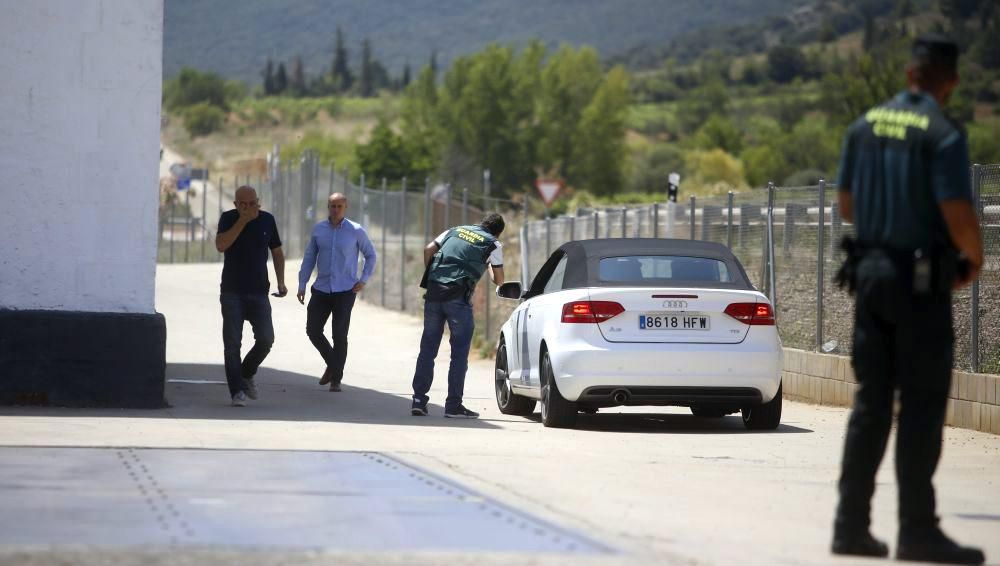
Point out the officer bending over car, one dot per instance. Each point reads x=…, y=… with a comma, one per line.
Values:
x=455, y=261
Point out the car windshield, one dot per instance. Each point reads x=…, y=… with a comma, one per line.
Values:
x=638, y=269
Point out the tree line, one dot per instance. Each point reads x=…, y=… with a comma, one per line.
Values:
x=341, y=78
x=721, y=120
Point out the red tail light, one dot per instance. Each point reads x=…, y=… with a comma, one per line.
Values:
x=590, y=311
x=752, y=313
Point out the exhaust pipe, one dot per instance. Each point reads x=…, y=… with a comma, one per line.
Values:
x=620, y=396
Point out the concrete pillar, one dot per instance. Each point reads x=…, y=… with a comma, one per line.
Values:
x=79, y=132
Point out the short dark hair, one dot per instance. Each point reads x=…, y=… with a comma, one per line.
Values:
x=933, y=60
x=493, y=223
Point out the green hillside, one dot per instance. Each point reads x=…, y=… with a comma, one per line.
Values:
x=726, y=114
x=236, y=37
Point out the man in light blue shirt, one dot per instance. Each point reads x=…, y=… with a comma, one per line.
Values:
x=333, y=251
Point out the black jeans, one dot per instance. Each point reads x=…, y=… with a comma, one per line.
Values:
x=902, y=341
x=255, y=309
x=337, y=306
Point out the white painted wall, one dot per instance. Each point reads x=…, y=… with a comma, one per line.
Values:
x=79, y=144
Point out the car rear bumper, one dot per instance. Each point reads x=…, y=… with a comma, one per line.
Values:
x=733, y=397
x=671, y=374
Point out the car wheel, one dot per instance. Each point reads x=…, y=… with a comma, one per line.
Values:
x=764, y=417
x=508, y=402
x=556, y=410
x=703, y=412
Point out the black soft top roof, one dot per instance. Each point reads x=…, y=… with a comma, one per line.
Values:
x=582, y=269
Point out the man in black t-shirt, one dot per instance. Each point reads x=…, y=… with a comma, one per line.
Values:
x=245, y=234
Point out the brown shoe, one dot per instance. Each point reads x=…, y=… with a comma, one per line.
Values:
x=327, y=376
x=335, y=386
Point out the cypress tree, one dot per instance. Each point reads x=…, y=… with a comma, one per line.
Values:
x=268, y=74
x=367, y=86
x=341, y=70
x=280, y=79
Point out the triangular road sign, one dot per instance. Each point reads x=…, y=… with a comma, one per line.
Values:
x=548, y=189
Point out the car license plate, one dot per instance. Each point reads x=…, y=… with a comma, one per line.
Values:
x=674, y=321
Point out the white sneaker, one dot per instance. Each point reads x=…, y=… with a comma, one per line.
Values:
x=240, y=399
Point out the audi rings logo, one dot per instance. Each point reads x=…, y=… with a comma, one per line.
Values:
x=675, y=304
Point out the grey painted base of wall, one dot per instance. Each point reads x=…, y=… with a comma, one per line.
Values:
x=973, y=402
x=82, y=359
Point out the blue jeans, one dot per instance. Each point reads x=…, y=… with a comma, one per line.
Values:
x=255, y=309
x=458, y=314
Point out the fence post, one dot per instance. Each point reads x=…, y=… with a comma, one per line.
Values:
x=597, y=216
x=218, y=254
x=260, y=184
x=465, y=205
x=333, y=175
x=428, y=215
x=836, y=226
x=486, y=207
x=692, y=216
x=772, y=292
x=204, y=212
x=402, y=247
x=489, y=291
x=525, y=253
x=548, y=235
x=764, y=257
x=361, y=199
x=624, y=221
x=385, y=230
x=977, y=201
x=288, y=210
x=170, y=222
x=187, y=226
x=447, y=206
x=729, y=221
x=821, y=263
x=656, y=220
x=572, y=228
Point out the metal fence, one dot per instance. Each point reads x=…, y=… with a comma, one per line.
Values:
x=787, y=239
x=794, y=229
x=400, y=216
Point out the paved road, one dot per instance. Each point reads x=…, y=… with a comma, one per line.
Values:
x=656, y=486
x=206, y=196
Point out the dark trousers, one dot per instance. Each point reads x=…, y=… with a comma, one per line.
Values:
x=902, y=341
x=338, y=307
x=255, y=309
x=458, y=314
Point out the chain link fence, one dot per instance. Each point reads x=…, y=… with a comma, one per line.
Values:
x=984, y=295
x=400, y=216
x=787, y=239
x=796, y=230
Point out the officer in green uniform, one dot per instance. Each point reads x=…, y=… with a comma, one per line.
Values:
x=455, y=262
x=904, y=180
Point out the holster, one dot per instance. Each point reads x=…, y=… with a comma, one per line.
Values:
x=847, y=276
x=927, y=271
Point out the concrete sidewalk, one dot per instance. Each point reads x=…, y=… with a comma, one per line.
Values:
x=656, y=486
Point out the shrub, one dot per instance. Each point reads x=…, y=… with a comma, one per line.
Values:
x=203, y=119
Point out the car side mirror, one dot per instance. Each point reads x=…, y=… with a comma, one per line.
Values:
x=510, y=290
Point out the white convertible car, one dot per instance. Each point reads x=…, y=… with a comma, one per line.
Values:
x=640, y=322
